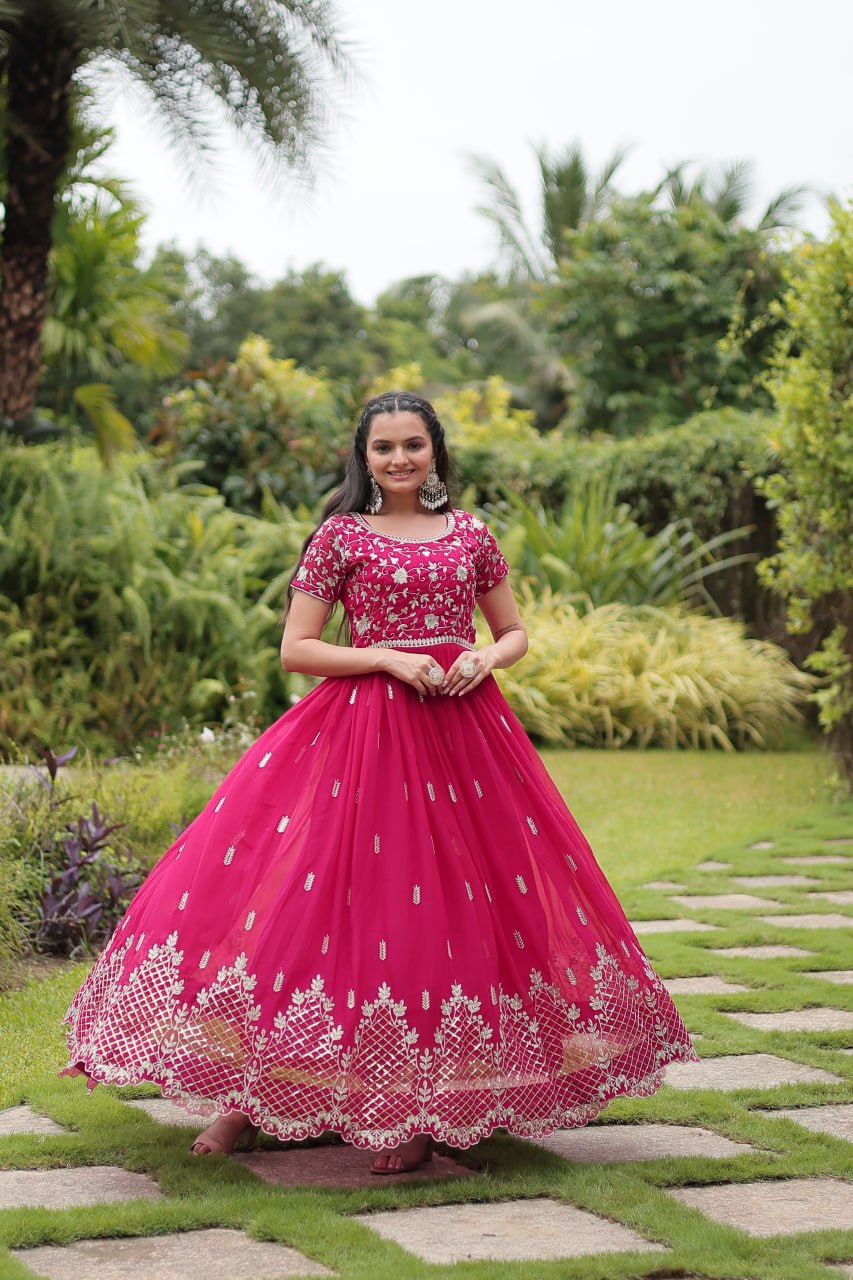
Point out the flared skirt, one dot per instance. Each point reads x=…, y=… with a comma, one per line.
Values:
x=384, y=922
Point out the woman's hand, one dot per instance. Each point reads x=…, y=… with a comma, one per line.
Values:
x=413, y=669
x=457, y=682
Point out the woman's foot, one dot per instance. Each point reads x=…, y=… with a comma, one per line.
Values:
x=405, y=1158
x=223, y=1136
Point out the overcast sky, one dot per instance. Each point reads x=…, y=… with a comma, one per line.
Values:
x=762, y=80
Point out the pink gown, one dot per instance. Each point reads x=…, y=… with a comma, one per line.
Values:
x=385, y=921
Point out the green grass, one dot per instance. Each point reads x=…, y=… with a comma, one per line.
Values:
x=648, y=816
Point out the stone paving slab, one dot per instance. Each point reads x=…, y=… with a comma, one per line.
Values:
x=627, y=1143
x=841, y=977
x=708, y=986
x=71, y=1188
x=843, y=1268
x=681, y=925
x=775, y=881
x=744, y=1071
x=725, y=901
x=165, y=1111
x=663, y=884
x=711, y=864
x=515, y=1230
x=842, y=897
x=797, y=1020
x=836, y=1119
x=25, y=1120
x=217, y=1254
x=819, y=860
x=763, y=951
x=839, y=840
x=762, y=844
x=832, y=920
x=779, y=1208
x=340, y=1166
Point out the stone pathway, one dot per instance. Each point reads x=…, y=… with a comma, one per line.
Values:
x=628, y=1143
x=837, y=1121
x=797, y=1020
x=841, y=977
x=709, y=986
x=515, y=1230
x=71, y=1188
x=216, y=1254
x=25, y=1120
x=778, y=1208
x=744, y=1071
x=681, y=925
x=544, y=1227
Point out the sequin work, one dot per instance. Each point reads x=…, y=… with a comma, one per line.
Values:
x=425, y=945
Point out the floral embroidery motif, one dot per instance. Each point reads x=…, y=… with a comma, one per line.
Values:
x=535, y=1063
x=348, y=560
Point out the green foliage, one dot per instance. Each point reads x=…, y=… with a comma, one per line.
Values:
x=704, y=469
x=130, y=602
x=495, y=448
x=813, y=493
x=256, y=428
x=645, y=676
x=105, y=310
x=594, y=550
x=663, y=313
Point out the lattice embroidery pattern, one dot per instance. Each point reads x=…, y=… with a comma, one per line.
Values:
x=543, y=1066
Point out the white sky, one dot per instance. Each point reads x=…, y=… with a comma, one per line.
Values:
x=762, y=80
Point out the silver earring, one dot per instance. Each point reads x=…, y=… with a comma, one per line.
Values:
x=374, y=501
x=433, y=491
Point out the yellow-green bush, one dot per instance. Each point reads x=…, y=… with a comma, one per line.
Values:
x=645, y=676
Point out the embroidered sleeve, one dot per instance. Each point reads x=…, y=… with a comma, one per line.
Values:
x=489, y=562
x=322, y=569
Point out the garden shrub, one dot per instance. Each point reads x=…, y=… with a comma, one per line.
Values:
x=644, y=676
x=254, y=427
x=813, y=491
x=130, y=601
x=593, y=548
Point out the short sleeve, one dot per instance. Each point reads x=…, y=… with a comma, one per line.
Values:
x=322, y=569
x=489, y=563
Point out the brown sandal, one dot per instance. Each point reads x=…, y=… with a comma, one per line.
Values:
x=413, y=1159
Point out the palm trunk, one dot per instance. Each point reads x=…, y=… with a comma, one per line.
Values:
x=41, y=66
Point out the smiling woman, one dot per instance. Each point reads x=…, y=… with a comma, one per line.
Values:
x=385, y=922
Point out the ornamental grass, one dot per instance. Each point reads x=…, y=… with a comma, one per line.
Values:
x=641, y=676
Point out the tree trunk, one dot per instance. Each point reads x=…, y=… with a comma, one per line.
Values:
x=41, y=65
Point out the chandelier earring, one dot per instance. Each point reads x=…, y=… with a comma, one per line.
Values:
x=433, y=491
x=374, y=498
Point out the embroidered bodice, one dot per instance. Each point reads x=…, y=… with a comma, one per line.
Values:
x=403, y=592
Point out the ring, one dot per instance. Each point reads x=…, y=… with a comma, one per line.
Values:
x=435, y=675
x=468, y=668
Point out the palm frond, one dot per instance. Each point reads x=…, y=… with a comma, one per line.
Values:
x=504, y=210
x=783, y=209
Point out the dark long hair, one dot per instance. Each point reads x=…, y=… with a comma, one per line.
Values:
x=354, y=493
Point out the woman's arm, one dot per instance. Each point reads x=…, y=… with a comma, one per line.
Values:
x=303, y=650
x=500, y=610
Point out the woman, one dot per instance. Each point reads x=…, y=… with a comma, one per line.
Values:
x=385, y=922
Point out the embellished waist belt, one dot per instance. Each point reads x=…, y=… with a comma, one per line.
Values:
x=421, y=643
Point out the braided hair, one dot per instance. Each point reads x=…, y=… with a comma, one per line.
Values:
x=354, y=493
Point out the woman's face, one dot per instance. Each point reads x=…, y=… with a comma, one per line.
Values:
x=399, y=451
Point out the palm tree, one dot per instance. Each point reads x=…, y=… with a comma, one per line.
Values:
x=569, y=198
x=728, y=194
x=264, y=62
x=510, y=333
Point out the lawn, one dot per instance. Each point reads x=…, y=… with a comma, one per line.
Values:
x=647, y=815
